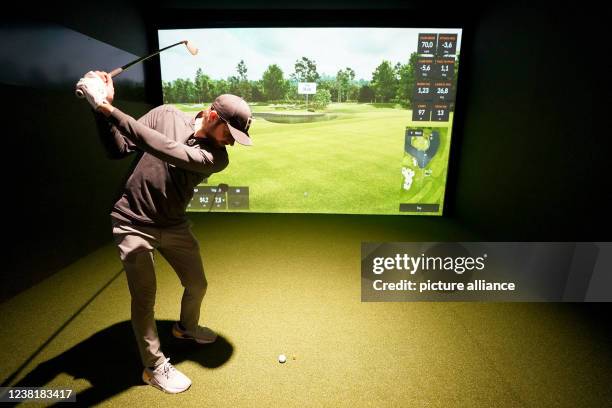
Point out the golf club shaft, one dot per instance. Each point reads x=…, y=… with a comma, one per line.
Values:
x=221, y=188
x=119, y=70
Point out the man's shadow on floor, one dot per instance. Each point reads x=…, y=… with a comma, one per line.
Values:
x=109, y=360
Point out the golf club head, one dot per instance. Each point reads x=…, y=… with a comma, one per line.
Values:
x=191, y=47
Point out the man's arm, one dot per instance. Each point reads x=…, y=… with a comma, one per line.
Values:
x=117, y=146
x=116, y=143
x=142, y=134
x=190, y=158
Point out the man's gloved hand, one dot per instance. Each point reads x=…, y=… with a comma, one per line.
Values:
x=94, y=89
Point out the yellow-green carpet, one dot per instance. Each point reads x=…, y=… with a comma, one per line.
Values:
x=291, y=284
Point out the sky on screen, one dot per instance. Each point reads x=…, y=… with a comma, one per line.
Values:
x=221, y=49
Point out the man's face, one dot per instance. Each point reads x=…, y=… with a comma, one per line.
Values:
x=220, y=133
x=216, y=130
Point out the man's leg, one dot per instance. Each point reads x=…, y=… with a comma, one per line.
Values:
x=136, y=246
x=182, y=251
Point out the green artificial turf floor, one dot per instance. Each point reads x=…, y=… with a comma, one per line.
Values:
x=291, y=284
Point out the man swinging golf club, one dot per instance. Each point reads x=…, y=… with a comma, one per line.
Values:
x=177, y=151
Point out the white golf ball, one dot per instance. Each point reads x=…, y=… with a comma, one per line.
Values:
x=282, y=358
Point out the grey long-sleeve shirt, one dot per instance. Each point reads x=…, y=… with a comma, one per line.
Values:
x=172, y=163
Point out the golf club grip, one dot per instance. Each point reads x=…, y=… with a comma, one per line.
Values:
x=116, y=72
x=79, y=93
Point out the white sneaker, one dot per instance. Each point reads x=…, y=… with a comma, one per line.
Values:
x=166, y=378
x=202, y=335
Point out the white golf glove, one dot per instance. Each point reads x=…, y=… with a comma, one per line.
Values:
x=93, y=88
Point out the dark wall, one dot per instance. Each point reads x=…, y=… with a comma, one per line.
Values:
x=533, y=160
x=58, y=184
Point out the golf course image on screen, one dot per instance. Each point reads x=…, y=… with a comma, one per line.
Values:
x=346, y=120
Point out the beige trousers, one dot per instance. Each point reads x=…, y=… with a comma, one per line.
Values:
x=181, y=249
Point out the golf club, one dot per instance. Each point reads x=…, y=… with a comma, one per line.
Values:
x=193, y=50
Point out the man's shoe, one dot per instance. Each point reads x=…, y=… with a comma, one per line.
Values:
x=202, y=335
x=166, y=378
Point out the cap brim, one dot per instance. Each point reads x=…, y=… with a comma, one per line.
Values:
x=240, y=136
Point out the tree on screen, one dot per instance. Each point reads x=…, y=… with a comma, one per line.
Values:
x=257, y=92
x=168, y=92
x=407, y=79
x=221, y=87
x=242, y=70
x=190, y=91
x=456, y=71
x=366, y=94
x=180, y=90
x=343, y=80
x=244, y=88
x=239, y=85
x=233, y=82
x=384, y=82
x=321, y=99
x=273, y=83
x=204, y=87
x=305, y=71
x=329, y=83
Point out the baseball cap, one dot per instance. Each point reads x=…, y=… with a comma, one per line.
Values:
x=234, y=111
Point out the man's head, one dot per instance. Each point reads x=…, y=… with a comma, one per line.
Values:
x=227, y=120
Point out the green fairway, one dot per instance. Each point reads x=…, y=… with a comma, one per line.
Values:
x=351, y=164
